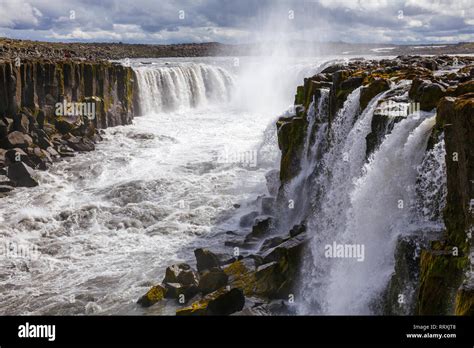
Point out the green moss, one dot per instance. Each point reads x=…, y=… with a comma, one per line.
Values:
x=441, y=275
x=465, y=302
x=299, y=97
x=291, y=138
x=200, y=307
x=241, y=277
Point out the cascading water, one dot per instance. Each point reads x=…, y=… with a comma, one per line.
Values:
x=167, y=88
x=105, y=224
x=365, y=204
x=331, y=185
x=381, y=210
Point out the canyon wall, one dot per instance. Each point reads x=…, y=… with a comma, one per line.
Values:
x=34, y=131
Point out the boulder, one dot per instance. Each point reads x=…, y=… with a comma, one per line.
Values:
x=81, y=144
x=368, y=92
x=5, y=188
x=66, y=125
x=212, y=280
x=205, y=259
x=271, y=243
x=42, y=139
x=333, y=68
x=352, y=83
x=220, y=302
x=464, y=88
x=17, y=155
x=297, y=229
x=248, y=219
x=226, y=304
x=182, y=274
x=177, y=290
x=290, y=248
x=65, y=151
x=21, y=174
x=260, y=229
x=16, y=139
x=21, y=123
x=154, y=295
x=430, y=94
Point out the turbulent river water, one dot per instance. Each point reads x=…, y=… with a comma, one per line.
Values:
x=101, y=227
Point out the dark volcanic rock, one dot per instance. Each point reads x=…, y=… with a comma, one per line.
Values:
x=371, y=90
x=261, y=228
x=248, y=219
x=181, y=273
x=206, y=259
x=154, y=295
x=220, y=302
x=212, y=280
x=21, y=175
x=16, y=139
x=226, y=304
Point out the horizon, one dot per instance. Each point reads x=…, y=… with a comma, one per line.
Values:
x=237, y=44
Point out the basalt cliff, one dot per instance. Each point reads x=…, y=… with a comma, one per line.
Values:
x=43, y=116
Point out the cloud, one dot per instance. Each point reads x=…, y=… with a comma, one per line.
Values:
x=231, y=21
x=18, y=14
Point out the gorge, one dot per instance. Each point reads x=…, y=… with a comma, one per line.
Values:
x=375, y=152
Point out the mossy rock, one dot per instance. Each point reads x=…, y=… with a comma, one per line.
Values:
x=224, y=301
x=367, y=93
x=439, y=279
x=465, y=301
x=430, y=95
x=291, y=137
x=154, y=295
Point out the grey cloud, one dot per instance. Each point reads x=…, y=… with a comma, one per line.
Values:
x=231, y=19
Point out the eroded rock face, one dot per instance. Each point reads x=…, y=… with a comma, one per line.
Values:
x=451, y=94
x=442, y=265
x=35, y=98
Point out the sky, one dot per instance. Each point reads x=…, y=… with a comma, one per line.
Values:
x=239, y=21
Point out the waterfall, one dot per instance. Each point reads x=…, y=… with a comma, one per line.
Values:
x=330, y=188
x=381, y=208
x=163, y=89
x=367, y=204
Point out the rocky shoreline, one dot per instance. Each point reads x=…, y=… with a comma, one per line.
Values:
x=263, y=282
